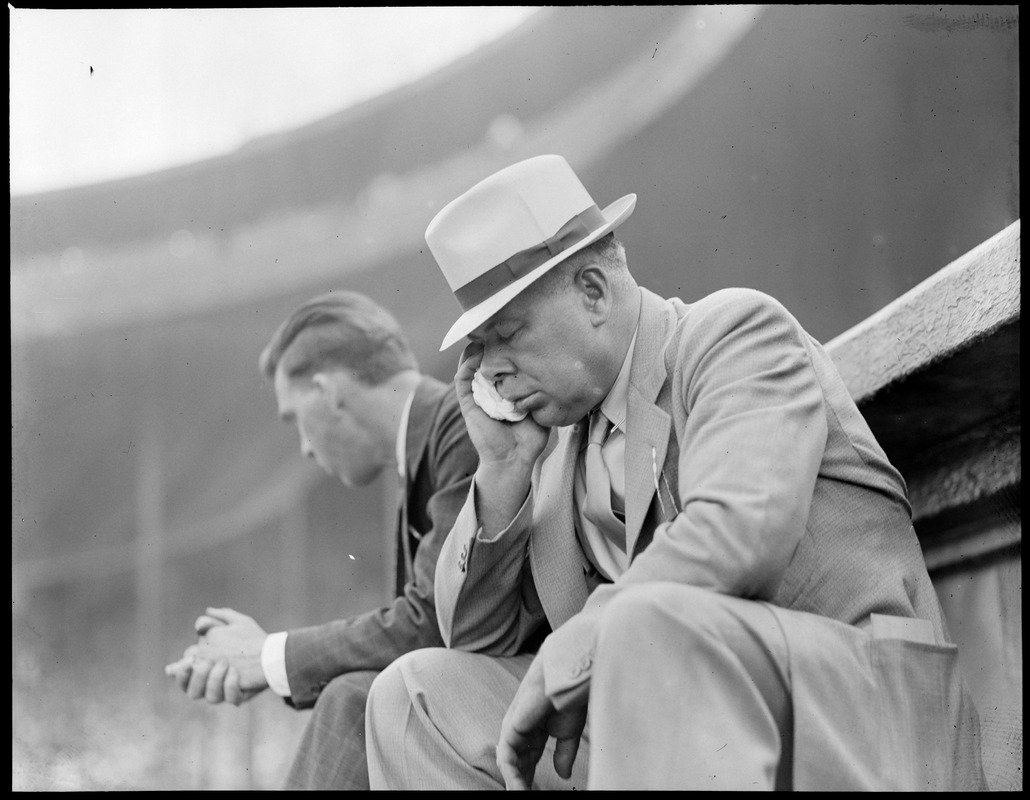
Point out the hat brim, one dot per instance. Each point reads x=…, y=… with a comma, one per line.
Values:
x=614, y=214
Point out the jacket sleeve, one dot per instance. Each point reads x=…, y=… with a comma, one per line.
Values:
x=751, y=422
x=315, y=655
x=487, y=603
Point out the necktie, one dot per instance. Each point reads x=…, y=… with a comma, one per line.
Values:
x=597, y=505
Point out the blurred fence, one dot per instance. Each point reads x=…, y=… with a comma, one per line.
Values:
x=92, y=709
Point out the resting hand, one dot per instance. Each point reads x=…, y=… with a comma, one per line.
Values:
x=530, y=720
x=490, y=400
x=203, y=674
x=497, y=441
x=238, y=639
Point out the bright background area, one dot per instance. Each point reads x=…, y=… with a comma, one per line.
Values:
x=103, y=93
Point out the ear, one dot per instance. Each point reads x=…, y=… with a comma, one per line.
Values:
x=595, y=292
x=329, y=388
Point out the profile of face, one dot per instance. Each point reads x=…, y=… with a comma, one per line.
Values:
x=329, y=411
x=546, y=351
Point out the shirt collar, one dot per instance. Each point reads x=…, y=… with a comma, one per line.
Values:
x=402, y=436
x=614, y=406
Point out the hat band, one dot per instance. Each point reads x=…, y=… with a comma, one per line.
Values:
x=525, y=261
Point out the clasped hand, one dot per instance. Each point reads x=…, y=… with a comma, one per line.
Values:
x=225, y=663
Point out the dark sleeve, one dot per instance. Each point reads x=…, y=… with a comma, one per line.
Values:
x=315, y=655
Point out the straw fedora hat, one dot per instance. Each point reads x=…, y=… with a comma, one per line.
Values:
x=509, y=229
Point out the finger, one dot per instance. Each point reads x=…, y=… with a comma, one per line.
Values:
x=197, y=685
x=471, y=359
x=214, y=692
x=227, y=615
x=233, y=692
x=205, y=622
x=518, y=753
x=565, y=751
x=180, y=672
x=508, y=763
x=185, y=669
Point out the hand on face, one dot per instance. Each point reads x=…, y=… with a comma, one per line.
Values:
x=498, y=441
x=490, y=400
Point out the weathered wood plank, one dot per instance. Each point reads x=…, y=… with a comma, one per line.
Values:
x=968, y=299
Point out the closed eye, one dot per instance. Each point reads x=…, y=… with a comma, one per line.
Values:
x=506, y=334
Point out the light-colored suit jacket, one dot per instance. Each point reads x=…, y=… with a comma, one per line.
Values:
x=750, y=472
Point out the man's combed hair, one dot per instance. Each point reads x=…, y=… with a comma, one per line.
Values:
x=607, y=252
x=343, y=330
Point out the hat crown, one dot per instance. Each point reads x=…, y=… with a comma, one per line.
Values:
x=504, y=214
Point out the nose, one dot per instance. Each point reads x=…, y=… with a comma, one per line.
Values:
x=494, y=366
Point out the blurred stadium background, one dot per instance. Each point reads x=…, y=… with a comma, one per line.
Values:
x=833, y=156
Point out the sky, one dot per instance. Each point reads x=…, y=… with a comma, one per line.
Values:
x=98, y=94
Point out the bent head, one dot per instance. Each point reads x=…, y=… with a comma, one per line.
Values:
x=542, y=283
x=329, y=361
x=557, y=347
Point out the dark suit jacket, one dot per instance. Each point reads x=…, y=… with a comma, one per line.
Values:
x=440, y=463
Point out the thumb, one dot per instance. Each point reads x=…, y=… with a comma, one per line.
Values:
x=565, y=751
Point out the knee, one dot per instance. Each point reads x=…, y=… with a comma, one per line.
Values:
x=642, y=614
x=388, y=688
x=395, y=687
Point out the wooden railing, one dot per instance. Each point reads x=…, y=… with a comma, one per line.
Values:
x=936, y=375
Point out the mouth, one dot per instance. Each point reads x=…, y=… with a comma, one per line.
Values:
x=526, y=402
x=516, y=399
x=509, y=398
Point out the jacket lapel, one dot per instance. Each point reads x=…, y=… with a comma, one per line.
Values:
x=428, y=394
x=647, y=425
x=420, y=420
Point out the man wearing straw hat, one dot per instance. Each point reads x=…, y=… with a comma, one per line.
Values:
x=687, y=497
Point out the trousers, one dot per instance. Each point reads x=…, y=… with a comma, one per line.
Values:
x=689, y=690
x=331, y=754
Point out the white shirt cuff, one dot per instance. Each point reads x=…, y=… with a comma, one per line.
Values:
x=273, y=662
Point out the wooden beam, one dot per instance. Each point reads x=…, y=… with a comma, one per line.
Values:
x=969, y=298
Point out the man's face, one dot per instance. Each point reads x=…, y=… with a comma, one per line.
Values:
x=542, y=350
x=331, y=428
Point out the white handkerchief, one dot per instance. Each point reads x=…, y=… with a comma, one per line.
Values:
x=486, y=397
